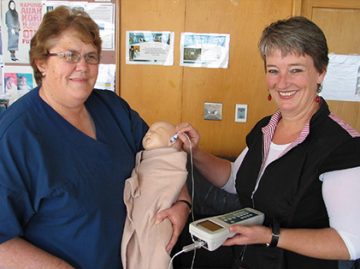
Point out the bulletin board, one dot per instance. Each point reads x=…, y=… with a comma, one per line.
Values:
x=15, y=64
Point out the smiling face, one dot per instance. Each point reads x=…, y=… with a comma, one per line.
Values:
x=292, y=81
x=68, y=84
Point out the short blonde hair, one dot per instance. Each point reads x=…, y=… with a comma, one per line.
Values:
x=297, y=35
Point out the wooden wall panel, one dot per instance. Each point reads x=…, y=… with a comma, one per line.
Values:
x=154, y=91
x=176, y=93
x=242, y=83
x=340, y=21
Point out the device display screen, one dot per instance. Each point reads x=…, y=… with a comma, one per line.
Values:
x=211, y=226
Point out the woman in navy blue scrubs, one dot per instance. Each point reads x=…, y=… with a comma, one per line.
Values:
x=65, y=152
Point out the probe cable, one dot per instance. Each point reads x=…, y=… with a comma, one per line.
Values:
x=197, y=244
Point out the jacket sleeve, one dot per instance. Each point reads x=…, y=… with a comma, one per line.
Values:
x=347, y=155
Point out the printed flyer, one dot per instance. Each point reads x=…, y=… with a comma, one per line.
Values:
x=20, y=20
x=146, y=47
x=204, y=50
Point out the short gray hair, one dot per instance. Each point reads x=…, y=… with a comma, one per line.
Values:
x=297, y=35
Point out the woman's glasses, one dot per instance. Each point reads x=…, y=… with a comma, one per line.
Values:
x=73, y=56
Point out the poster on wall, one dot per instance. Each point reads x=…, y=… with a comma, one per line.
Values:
x=2, y=90
x=342, y=79
x=18, y=80
x=20, y=20
x=1, y=45
x=50, y=5
x=101, y=13
x=104, y=15
x=147, y=47
x=204, y=50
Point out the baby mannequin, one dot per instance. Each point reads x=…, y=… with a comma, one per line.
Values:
x=155, y=184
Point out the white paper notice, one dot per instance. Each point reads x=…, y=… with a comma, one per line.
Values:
x=147, y=47
x=204, y=50
x=342, y=81
x=106, y=77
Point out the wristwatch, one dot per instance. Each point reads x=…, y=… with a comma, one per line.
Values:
x=275, y=230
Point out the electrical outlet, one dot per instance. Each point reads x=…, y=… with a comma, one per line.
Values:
x=212, y=111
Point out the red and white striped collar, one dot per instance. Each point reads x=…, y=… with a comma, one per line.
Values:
x=269, y=130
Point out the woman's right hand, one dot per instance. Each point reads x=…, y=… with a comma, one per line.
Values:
x=188, y=135
x=216, y=170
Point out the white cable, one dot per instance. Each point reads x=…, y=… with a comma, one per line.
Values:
x=196, y=244
x=194, y=255
x=173, y=257
x=192, y=175
x=191, y=247
x=192, y=194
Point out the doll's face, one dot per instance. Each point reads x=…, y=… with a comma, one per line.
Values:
x=158, y=135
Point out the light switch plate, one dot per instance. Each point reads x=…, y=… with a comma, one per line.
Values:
x=240, y=112
x=212, y=111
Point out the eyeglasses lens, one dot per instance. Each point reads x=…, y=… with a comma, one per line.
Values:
x=75, y=57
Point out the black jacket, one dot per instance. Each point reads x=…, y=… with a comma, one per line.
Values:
x=290, y=189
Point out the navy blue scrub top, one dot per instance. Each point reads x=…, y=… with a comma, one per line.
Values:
x=62, y=190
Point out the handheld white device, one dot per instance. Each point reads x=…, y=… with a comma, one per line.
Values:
x=213, y=231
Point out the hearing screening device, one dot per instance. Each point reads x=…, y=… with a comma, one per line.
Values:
x=174, y=138
x=213, y=231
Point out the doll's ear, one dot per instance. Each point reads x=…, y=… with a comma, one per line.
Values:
x=176, y=145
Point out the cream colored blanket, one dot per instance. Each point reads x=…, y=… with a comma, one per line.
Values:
x=154, y=185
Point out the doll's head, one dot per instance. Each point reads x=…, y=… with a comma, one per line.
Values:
x=159, y=135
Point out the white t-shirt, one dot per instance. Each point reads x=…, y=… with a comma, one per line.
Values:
x=341, y=194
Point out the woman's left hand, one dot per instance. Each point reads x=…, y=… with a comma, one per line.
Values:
x=178, y=216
